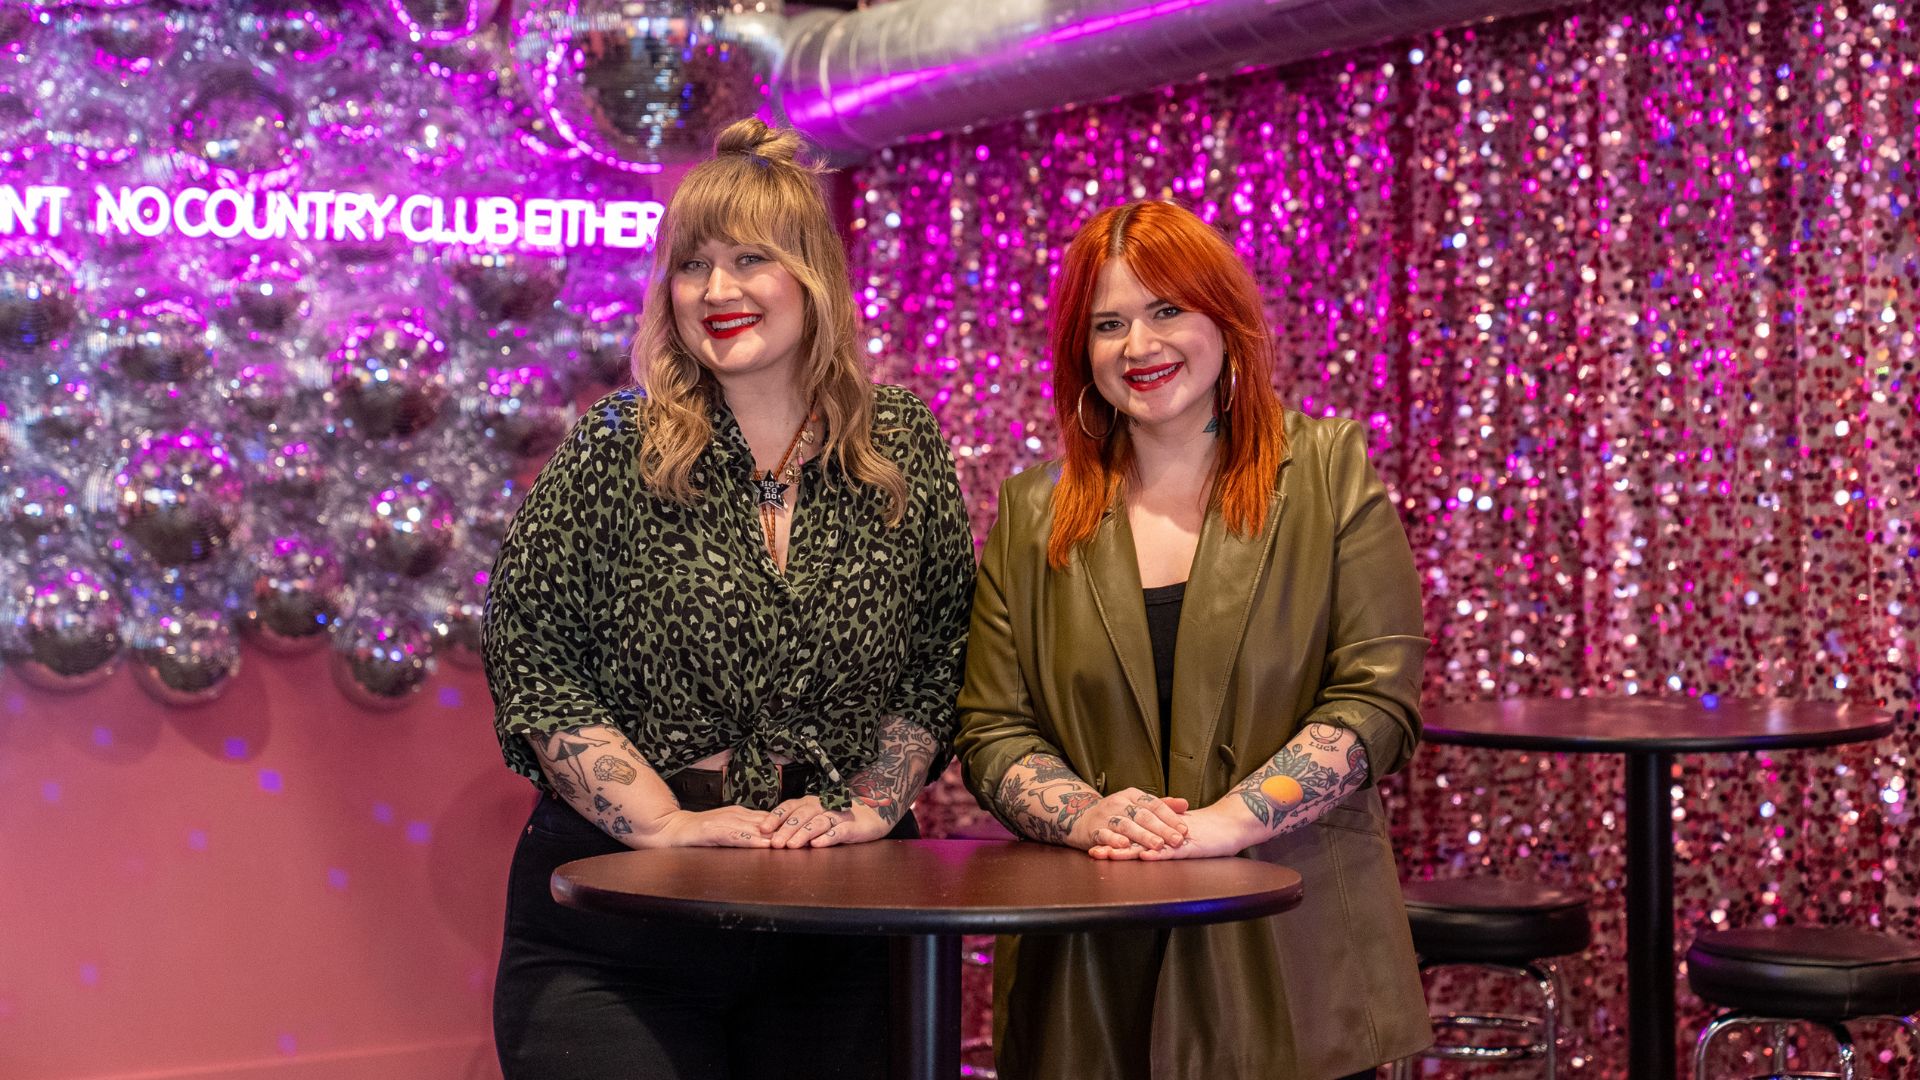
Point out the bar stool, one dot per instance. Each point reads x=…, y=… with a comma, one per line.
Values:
x=1829, y=976
x=1510, y=927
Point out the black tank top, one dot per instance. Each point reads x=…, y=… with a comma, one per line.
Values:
x=1163, y=628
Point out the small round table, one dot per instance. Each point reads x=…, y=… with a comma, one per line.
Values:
x=1649, y=731
x=927, y=893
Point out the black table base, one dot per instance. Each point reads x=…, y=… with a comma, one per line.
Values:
x=926, y=1019
x=1650, y=962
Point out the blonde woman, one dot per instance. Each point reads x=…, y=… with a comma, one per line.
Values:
x=732, y=612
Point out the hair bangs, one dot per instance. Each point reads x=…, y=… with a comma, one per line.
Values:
x=736, y=203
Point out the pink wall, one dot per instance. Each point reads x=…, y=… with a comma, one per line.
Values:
x=278, y=884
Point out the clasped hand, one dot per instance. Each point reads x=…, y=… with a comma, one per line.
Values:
x=1223, y=829
x=796, y=823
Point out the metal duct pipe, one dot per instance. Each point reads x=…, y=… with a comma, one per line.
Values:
x=857, y=81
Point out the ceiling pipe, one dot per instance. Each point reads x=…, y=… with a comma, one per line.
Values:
x=856, y=81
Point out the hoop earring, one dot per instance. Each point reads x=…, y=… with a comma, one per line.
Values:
x=1233, y=386
x=1080, y=415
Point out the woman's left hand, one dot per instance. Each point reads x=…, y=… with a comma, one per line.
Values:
x=1224, y=829
x=799, y=823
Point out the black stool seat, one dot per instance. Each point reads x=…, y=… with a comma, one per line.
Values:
x=1833, y=973
x=1491, y=921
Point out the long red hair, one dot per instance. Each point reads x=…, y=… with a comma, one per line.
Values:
x=1181, y=259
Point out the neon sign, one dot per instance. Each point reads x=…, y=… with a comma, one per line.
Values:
x=490, y=221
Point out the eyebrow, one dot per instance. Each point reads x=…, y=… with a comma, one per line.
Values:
x=1153, y=303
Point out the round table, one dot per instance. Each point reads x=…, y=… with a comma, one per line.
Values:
x=1648, y=732
x=926, y=893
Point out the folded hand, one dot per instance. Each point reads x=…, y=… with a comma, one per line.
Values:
x=1226, y=828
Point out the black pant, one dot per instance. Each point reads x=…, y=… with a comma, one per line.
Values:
x=582, y=996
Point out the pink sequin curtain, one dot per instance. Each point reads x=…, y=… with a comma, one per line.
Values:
x=1625, y=295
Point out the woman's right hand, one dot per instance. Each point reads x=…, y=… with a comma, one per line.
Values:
x=1128, y=818
x=723, y=826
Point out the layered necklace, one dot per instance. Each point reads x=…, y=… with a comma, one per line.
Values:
x=773, y=486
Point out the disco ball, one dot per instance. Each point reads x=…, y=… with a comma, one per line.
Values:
x=179, y=496
x=602, y=352
x=510, y=285
x=16, y=28
x=60, y=415
x=352, y=113
x=406, y=529
x=257, y=389
x=295, y=29
x=390, y=379
x=184, y=658
x=161, y=341
x=60, y=629
x=133, y=40
x=639, y=83
x=293, y=596
x=239, y=129
x=522, y=407
x=23, y=130
x=440, y=22
x=292, y=476
x=479, y=59
x=101, y=133
x=36, y=504
x=433, y=140
x=39, y=298
x=459, y=620
x=381, y=657
x=270, y=293
x=490, y=516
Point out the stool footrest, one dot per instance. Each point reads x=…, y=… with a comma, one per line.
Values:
x=1527, y=1027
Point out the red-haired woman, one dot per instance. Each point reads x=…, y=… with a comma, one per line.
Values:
x=1197, y=635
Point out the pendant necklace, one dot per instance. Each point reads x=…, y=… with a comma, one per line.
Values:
x=773, y=486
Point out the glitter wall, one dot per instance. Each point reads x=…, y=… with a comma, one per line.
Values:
x=1624, y=296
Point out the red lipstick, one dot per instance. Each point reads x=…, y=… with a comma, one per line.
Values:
x=730, y=323
x=1146, y=379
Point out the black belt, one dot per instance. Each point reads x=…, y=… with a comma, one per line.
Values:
x=700, y=789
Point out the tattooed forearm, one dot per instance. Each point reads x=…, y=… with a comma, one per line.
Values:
x=603, y=777
x=1318, y=768
x=888, y=785
x=1043, y=797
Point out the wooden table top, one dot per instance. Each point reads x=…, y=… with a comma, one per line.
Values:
x=1674, y=724
x=923, y=887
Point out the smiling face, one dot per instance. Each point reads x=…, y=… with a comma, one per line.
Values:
x=1152, y=360
x=738, y=311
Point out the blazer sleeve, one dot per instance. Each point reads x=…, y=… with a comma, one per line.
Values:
x=1376, y=644
x=997, y=726
x=538, y=640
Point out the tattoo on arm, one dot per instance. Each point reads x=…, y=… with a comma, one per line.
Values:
x=1318, y=768
x=583, y=763
x=1044, y=798
x=565, y=748
x=889, y=783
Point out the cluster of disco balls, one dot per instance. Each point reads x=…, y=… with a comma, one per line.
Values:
x=310, y=445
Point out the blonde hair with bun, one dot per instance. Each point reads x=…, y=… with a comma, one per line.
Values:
x=757, y=191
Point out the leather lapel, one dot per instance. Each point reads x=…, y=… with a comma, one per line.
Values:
x=1113, y=570
x=1214, y=613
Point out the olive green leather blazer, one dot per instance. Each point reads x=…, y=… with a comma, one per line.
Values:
x=1314, y=619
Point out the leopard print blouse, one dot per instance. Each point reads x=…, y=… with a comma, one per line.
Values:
x=609, y=605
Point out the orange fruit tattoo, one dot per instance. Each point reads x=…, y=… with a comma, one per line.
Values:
x=1282, y=790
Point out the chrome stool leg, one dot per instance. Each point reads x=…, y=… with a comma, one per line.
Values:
x=1707, y=1034
x=1546, y=979
x=1533, y=1036
x=1845, y=1039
